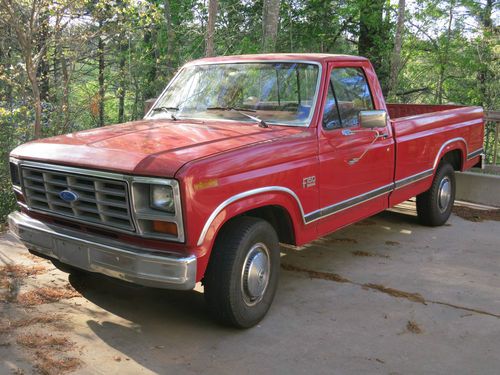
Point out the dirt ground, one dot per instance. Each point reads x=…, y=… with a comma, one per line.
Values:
x=384, y=296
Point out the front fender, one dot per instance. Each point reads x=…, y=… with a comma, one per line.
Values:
x=249, y=200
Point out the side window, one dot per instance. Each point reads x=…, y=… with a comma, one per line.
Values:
x=352, y=93
x=331, y=118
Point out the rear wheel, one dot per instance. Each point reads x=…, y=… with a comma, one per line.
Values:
x=434, y=206
x=242, y=275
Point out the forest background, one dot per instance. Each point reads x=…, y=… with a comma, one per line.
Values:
x=69, y=65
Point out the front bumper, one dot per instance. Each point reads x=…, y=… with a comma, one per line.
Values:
x=109, y=257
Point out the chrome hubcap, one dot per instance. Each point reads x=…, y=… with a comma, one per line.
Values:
x=444, y=194
x=255, y=274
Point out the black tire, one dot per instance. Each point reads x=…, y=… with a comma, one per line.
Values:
x=239, y=249
x=433, y=210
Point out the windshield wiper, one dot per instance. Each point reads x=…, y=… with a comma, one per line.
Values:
x=167, y=109
x=241, y=111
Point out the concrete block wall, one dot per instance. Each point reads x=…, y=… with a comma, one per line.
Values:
x=478, y=188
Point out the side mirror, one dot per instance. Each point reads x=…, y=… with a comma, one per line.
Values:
x=148, y=104
x=372, y=119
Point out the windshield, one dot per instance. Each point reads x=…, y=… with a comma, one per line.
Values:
x=278, y=93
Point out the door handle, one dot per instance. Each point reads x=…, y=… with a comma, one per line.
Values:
x=349, y=132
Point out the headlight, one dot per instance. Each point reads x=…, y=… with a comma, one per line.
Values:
x=156, y=205
x=162, y=198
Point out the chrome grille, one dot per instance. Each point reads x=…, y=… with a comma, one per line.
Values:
x=100, y=201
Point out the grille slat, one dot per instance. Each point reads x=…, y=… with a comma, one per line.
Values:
x=100, y=201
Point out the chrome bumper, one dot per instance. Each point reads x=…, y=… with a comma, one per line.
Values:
x=109, y=257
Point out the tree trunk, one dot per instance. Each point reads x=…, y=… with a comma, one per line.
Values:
x=100, y=56
x=135, y=112
x=209, y=37
x=55, y=63
x=121, y=89
x=26, y=36
x=61, y=79
x=32, y=77
x=149, y=40
x=43, y=65
x=7, y=52
x=444, y=57
x=396, y=53
x=372, y=41
x=65, y=93
x=270, y=19
x=483, y=72
x=170, y=34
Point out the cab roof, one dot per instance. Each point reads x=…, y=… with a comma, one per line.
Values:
x=313, y=57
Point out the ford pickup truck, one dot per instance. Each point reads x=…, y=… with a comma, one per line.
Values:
x=237, y=155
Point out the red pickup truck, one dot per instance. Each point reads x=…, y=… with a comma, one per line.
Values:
x=237, y=155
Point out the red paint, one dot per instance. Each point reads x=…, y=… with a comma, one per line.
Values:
x=243, y=157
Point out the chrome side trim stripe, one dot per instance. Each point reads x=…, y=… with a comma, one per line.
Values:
x=245, y=194
x=348, y=203
x=413, y=178
x=436, y=161
x=475, y=153
x=307, y=219
x=340, y=206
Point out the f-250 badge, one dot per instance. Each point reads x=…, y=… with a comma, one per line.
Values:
x=309, y=181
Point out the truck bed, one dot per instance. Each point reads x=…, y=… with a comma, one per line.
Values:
x=423, y=134
x=397, y=110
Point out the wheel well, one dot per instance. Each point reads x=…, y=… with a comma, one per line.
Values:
x=454, y=157
x=280, y=220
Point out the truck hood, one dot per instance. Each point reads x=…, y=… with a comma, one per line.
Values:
x=148, y=147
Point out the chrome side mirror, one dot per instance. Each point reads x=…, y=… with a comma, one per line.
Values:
x=148, y=104
x=372, y=119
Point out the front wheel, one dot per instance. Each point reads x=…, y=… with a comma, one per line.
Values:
x=434, y=206
x=242, y=275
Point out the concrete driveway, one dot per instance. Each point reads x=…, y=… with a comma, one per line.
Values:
x=384, y=296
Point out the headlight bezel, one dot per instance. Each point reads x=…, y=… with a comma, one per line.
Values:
x=144, y=215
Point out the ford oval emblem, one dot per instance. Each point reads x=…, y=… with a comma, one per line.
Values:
x=68, y=196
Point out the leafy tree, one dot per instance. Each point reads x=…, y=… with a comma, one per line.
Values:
x=77, y=64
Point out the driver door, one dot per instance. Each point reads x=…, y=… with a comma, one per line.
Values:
x=356, y=166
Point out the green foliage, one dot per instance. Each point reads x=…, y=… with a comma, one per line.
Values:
x=450, y=54
x=14, y=130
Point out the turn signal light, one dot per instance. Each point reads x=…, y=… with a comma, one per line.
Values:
x=165, y=227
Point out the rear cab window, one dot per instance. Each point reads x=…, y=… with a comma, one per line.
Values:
x=348, y=94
